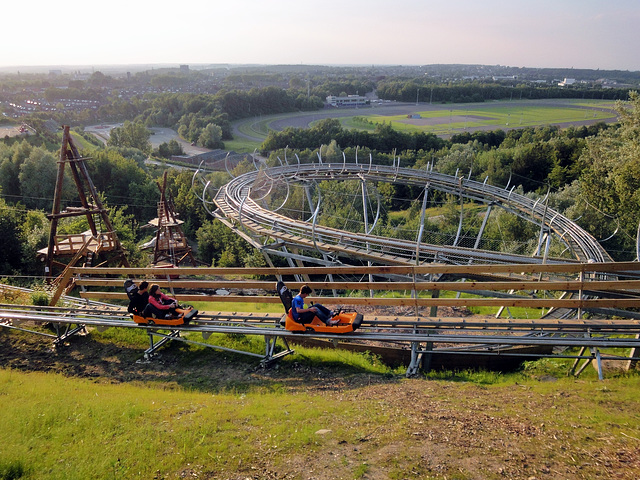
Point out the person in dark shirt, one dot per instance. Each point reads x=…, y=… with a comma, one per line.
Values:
x=138, y=298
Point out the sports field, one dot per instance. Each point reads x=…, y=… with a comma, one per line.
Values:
x=441, y=119
x=490, y=117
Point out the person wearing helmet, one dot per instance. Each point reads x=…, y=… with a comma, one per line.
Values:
x=138, y=296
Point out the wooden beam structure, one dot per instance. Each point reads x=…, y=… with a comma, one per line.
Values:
x=593, y=286
x=171, y=246
x=87, y=244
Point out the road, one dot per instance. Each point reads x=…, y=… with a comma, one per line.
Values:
x=158, y=136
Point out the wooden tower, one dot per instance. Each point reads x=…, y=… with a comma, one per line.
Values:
x=87, y=246
x=171, y=246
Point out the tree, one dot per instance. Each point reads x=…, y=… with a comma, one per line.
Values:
x=134, y=135
x=332, y=152
x=11, y=251
x=219, y=246
x=38, y=179
x=610, y=181
x=119, y=178
x=211, y=136
x=166, y=150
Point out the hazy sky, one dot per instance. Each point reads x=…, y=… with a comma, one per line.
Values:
x=533, y=33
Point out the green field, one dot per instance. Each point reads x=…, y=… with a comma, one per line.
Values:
x=491, y=116
x=446, y=120
x=203, y=414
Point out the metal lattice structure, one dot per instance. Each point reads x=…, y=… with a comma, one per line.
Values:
x=240, y=205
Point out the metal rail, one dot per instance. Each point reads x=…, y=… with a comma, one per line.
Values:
x=235, y=203
x=412, y=332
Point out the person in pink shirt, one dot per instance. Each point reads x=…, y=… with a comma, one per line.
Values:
x=161, y=302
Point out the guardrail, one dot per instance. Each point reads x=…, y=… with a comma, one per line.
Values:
x=594, y=285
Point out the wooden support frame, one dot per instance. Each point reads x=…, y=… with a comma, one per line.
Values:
x=171, y=244
x=87, y=192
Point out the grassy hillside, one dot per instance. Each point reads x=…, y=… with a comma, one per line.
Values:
x=94, y=410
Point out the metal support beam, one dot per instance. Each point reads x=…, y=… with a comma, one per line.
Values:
x=64, y=331
x=484, y=224
x=365, y=214
x=153, y=346
x=270, y=357
x=421, y=228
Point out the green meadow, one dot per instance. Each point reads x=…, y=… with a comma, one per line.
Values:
x=487, y=116
x=212, y=415
x=447, y=119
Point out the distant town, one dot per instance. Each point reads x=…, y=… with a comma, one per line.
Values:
x=76, y=89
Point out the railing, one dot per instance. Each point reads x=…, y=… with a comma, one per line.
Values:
x=595, y=286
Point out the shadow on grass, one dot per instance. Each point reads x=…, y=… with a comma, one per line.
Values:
x=111, y=358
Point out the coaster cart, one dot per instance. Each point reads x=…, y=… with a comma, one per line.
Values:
x=185, y=314
x=347, y=321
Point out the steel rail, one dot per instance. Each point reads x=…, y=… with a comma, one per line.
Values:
x=494, y=340
x=263, y=222
x=112, y=316
x=417, y=335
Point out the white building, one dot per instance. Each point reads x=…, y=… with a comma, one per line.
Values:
x=348, y=101
x=566, y=82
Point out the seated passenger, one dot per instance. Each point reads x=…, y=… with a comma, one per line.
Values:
x=138, y=298
x=305, y=315
x=160, y=305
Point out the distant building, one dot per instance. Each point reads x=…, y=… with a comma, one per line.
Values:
x=348, y=101
x=184, y=68
x=567, y=82
x=55, y=73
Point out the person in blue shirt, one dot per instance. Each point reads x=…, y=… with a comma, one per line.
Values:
x=305, y=315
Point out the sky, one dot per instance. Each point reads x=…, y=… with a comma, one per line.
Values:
x=535, y=33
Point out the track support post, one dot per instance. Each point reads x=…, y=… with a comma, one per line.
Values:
x=153, y=346
x=270, y=347
x=416, y=360
x=64, y=331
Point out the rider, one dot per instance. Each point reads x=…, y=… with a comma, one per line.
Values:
x=138, y=297
x=305, y=315
x=161, y=304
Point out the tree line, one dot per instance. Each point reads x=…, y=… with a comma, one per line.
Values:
x=128, y=186
x=481, y=91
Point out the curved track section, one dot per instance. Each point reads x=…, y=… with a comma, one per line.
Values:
x=235, y=202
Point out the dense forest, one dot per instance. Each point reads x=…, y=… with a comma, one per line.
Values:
x=591, y=173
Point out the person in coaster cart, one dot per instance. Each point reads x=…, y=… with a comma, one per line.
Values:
x=305, y=315
x=161, y=305
x=138, y=296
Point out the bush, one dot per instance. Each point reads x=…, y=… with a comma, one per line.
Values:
x=40, y=298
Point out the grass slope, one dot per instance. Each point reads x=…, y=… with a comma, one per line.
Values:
x=90, y=411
